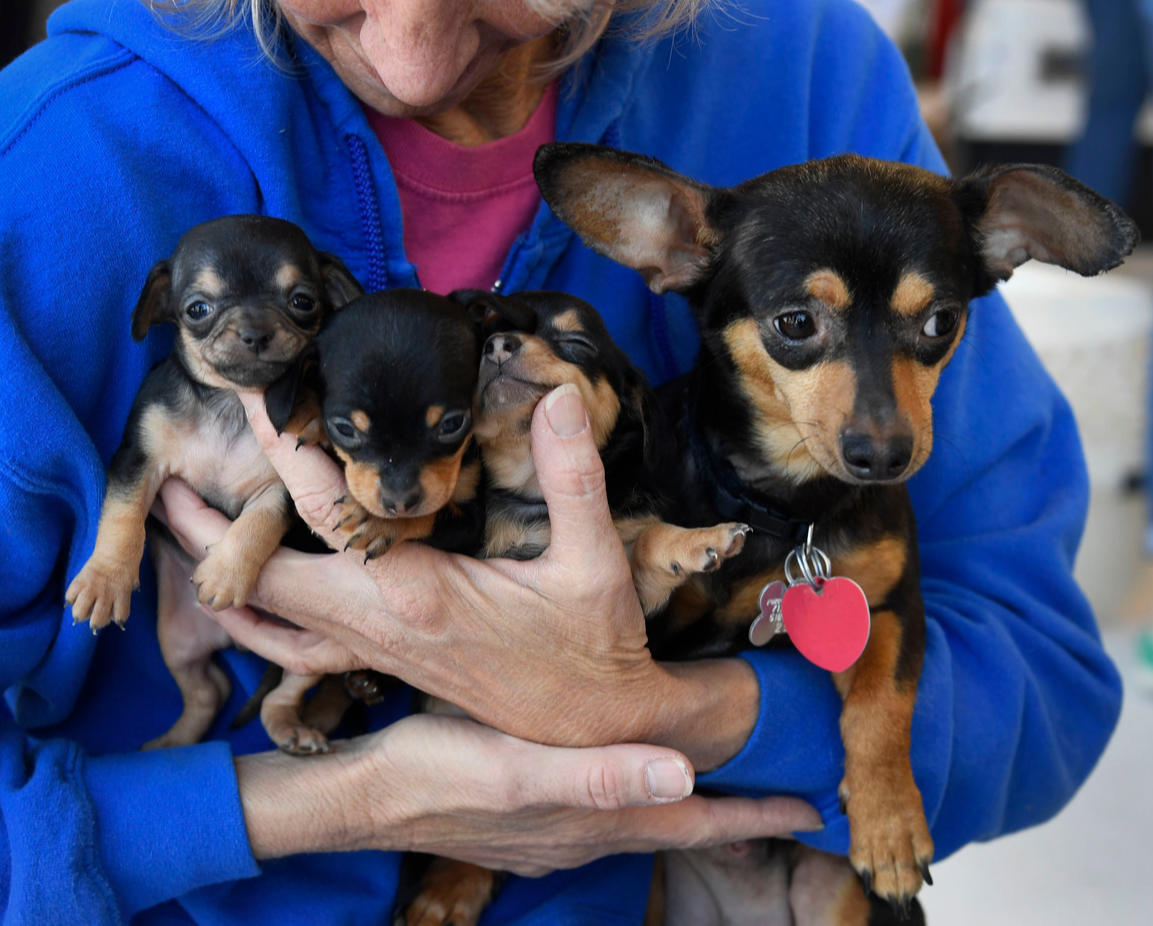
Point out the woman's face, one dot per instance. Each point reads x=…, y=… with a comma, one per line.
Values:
x=415, y=57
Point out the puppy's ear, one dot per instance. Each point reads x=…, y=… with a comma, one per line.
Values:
x=280, y=396
x=632, y=209
x=1023, y=211
x=340, y=286
x=153, y=306
x=492, y=313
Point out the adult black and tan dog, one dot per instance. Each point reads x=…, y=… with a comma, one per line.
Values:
x=829, y=296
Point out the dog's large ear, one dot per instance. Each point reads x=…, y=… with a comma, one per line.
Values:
x=340, y=286
x=280, y=396
x=632, y=209
x=153, y=307
x=492, y=313
x=1023, y=211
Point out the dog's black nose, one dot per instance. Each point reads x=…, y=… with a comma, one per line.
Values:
x=255, y=339
x=402, y=506
x=874, y=458
x=500, y=347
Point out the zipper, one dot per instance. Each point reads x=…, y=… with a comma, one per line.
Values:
x=369, y=214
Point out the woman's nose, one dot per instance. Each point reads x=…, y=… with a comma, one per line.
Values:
x=419, y=48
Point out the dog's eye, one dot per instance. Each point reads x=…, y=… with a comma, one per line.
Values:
x=343, y=431
x=452, y=424
x=941, y=323
x=198, y=311
x=579, y=347
x=303, y=303
x=796, y=326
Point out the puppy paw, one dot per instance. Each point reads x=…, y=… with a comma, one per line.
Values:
x=308, y=434
x=365, y=532
x=452, y=894
x=223, y=582
x=296, y=738
x=101, y=593
x=704, y=549
x=890, y=845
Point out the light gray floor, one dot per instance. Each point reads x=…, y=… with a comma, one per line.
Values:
x=1090, y=866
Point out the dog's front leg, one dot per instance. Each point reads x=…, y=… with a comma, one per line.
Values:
x=226, y=576
x=663, y=556
x=101, y=591
x=890, y=845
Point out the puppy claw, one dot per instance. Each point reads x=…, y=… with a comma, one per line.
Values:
x=714, y=560
x=866, y=881
x=924, y=866
x=341, y=500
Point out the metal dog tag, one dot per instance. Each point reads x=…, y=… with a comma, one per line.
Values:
x=769, y=622
x=826, y=617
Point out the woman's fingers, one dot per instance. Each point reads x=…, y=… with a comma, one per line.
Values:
x=314, y=480
x=572, y=481
x=303, y=652
x=188, y=517
x=602, y=778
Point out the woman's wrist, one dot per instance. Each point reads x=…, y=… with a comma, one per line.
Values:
x=706, y=709
x=294, y=805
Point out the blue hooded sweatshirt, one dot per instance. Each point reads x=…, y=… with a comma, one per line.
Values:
x=117, y=135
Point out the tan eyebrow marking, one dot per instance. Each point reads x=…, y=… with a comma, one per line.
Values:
x=288, y=276
x=360, y=420
x=568, y=321
x=912, y=295
x=433, y=415
x=210, y=283
x=828, y=286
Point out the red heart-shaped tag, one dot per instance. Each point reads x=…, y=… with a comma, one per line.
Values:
x=829, y=629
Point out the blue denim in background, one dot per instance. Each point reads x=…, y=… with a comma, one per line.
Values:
x=1120, y=72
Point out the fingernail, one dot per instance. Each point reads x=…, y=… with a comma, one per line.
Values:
x=668, y=780
x=811, y=828
x=565, y=411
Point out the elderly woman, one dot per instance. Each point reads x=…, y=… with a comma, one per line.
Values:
x=399, y=134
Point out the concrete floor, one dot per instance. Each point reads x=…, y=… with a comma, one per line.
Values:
x=1090, y=866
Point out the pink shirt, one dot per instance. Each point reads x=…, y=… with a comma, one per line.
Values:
x=463, y=207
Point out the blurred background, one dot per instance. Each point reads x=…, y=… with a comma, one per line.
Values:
x=1060, y=82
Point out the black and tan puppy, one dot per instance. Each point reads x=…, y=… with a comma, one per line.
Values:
x=562, y=340
x=569, y=343
x=388, y=385
x=829, y=297
x=247, y=294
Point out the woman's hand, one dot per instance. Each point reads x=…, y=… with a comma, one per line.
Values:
x=456, y=788
x=551, y=650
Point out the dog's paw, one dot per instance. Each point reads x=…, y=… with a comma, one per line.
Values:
x=223, y=582
x=890, y=845
x=452, y=894
x=705, y=548
x=308, y=433
x=296, y=738
x=365, y=532
x=101, y=593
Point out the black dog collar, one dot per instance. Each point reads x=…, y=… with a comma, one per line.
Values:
x=737, y=502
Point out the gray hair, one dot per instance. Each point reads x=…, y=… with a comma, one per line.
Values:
x=580, y=22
